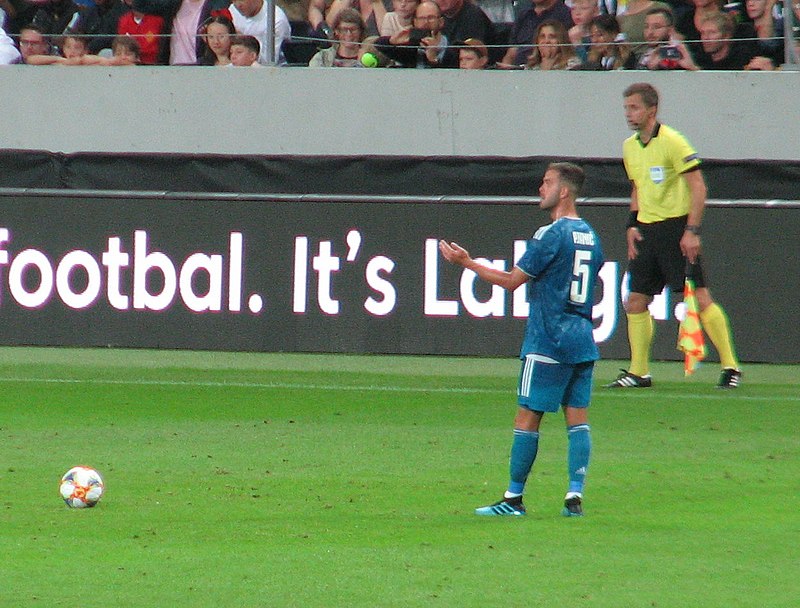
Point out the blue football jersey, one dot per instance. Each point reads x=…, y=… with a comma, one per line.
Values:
x=563, y=260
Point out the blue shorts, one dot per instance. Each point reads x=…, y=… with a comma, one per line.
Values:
x=546, y=384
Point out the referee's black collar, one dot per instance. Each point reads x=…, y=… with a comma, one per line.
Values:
x=656, y=129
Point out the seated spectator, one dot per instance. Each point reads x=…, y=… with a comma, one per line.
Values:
x=663, y=50
x=608, y=50
x=401, y=17
x=100, y=22
x=424, y=46
x=580, y=35
x=721, y=50
x=769, y=31
x=183, y=43
x=146, y=29
x=75, y=51
x=348, y=31
x=322, y=14
x=464, y=20
x=552, y=49
x=245, y=51
x=250, y=18
x=688, y=26
x=8, y=52
x=33, y=41
x=215, y=40
x=522, y=33
x=631, y=22
x=56, y=16
x=74, y=47
x=127, y=49
x=473, y=55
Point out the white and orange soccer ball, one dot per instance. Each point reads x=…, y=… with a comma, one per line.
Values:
x=81, y=487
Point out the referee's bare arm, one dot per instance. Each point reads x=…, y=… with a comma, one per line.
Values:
x=632, y=234
x=690, y=242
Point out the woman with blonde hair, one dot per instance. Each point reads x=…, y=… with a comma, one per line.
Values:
x=552, y=49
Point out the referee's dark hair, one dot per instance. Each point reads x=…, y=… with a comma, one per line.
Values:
x=571, y=174
x=646, y=90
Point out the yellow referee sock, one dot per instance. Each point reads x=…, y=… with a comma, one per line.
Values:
x=715, y=323
x=640, y=336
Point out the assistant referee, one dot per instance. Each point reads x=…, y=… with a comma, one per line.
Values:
x=668, y=197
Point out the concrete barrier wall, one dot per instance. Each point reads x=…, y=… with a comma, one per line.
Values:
x=301, y=111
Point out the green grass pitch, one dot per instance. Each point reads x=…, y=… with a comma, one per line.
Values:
x=279, y=480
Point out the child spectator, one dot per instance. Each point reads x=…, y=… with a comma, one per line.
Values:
x=146, y=30
x=400, y=18
x=215, y=41
x=473, y=55
x=348, y=31
x=184, y=47
x=75, y=51
x=245, y=51
x=74, y=47
x=580, y=35
x=126, y=48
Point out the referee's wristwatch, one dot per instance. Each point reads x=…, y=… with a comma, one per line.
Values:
x=693, y=229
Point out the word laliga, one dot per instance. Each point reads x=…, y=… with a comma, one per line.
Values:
x=78, y=277
x=611, y=286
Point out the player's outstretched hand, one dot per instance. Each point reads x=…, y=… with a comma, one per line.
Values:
x=453, y=252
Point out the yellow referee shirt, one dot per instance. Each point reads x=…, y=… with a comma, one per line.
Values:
x=656, y=169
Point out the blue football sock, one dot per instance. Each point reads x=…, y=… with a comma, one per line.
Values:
x=578, y=452
x=523, y=453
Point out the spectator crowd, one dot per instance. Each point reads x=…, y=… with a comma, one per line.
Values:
x=466, y=34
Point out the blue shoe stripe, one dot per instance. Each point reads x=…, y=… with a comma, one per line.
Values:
x=501, y=508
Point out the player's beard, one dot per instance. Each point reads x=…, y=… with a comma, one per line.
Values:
x=548, y=202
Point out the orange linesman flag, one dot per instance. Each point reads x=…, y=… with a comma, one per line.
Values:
x=690, y=332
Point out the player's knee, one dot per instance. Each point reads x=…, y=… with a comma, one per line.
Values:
x=527, y=420
x=637, y=303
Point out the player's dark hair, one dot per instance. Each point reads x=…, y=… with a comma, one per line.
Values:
x=251, y=43
x=571, y=174
x=647, y=92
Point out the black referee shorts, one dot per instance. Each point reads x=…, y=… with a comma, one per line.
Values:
x=660, y=261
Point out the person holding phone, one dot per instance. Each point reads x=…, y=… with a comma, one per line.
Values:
x=663, y=48
x=423, y=45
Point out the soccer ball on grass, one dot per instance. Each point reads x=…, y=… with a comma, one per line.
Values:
x=81, y=487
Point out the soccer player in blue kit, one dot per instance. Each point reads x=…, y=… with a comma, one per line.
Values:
x=560, y=265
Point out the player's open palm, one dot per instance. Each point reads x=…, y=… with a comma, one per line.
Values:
x=453, y=252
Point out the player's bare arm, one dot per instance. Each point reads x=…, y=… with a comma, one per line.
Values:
x=455, y=254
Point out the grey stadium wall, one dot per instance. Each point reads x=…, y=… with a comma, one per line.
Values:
x=252, y=218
